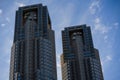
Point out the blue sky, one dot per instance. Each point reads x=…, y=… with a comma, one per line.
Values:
x=102, y=15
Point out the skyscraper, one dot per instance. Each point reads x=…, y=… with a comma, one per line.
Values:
x=80, y=60
x=33, y=51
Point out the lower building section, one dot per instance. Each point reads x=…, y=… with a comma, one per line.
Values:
x=34, y=61
x=80, y=60
x=91, y=68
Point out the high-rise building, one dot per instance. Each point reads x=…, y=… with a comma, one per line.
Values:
x=33, y=51
x=80, y=60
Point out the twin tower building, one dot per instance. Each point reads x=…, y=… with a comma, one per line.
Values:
x=33, y=55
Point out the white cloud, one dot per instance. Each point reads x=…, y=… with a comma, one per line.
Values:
x=3, y=25
x=116, y=24
x=7, y=19
x=58, y=65
x=94, y=7
x=107, y=59
x=97, y=20
x=58, y=61
x=100, y=27
x=1, y=11
x=19, y=4
x=105, y=37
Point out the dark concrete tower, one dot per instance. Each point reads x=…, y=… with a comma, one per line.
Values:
x=33, y=52
x=80, y=60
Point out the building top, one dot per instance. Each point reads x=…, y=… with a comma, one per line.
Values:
x=76, y=27
x=31, y=6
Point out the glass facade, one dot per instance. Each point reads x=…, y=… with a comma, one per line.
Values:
x=80, y=60
x=33, y=52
